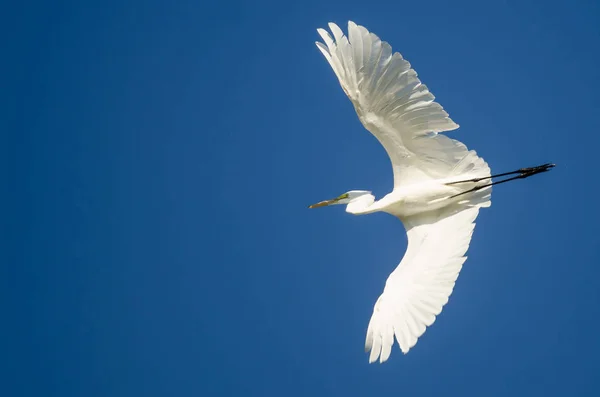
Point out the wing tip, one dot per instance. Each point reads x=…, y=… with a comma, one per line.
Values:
x=333, y=25
x=374, y=355
x=322, y=32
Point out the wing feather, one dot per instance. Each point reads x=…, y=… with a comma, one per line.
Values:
x=420, y=286
x=393, y=104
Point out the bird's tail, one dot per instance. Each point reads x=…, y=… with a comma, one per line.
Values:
x=473, y=167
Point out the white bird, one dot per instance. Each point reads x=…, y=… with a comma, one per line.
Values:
x=439, y=185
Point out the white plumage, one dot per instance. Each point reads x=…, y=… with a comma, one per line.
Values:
x=419, y=287
x=401, y=113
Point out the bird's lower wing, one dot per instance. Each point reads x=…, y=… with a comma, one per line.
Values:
x=393, y=104
x=420, y=286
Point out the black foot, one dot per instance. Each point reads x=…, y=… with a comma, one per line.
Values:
x=525, y=172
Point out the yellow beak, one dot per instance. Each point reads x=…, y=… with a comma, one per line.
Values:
x=324, y=203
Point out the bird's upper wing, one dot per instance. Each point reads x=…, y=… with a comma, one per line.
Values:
x=419, y=287
x=393, y=104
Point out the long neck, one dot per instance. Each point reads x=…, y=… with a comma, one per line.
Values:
x=362, y=205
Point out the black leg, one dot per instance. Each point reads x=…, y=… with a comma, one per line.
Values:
x=523, y=173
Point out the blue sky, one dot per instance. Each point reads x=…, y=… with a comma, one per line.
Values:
x=161, y=157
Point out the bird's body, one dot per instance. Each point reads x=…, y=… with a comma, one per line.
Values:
x=439, y=185
x=423, y=197
x=409, y=200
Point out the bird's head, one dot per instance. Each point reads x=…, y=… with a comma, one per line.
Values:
x=345, y=198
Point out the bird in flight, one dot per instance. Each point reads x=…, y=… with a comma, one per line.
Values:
x=439, y=185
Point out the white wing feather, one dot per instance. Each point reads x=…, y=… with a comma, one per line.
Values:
x=393, y=104
x=420, y=286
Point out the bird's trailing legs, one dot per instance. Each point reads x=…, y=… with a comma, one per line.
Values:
x=522, y=174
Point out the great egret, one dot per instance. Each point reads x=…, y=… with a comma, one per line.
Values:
x=439, y=185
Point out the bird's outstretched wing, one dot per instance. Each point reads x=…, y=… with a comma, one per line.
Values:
x=393, y=105
x=420, y=286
